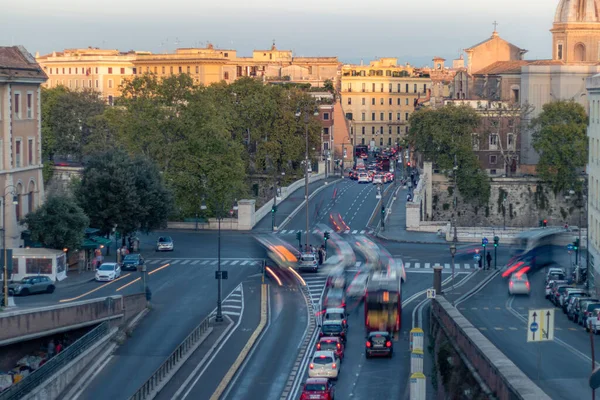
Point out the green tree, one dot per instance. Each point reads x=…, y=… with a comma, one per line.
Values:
x=445, y=134
x=123, y=192
x=66, y=117
x=559, y=136
x=59, y=223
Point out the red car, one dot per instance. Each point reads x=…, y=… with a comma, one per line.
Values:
x=332, y=343
x=317, y=388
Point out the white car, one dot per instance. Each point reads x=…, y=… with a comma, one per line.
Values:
x=358, y=287
x=518, y=284
x=550, y=285
x=108, y=272
x=308, y=261
x=363, y=178
x=377, y=179
x=593, y=322
x=555, y=274
x=324, y=364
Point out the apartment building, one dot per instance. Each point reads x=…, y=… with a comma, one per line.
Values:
x=593, y=170
x=91, y=68
x=378, y=99
x=21, y=182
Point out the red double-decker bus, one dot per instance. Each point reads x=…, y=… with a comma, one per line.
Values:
x=383, y=303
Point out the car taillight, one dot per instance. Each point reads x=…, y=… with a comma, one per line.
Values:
x=511, y=283
x=527, y=283
x=388, y=344
x=333, y=366
x=339, y=346
x=344, y=322
x=311, y=366
x=343, y=333
x=318, y=346
x=368, y=344
x=321, y=334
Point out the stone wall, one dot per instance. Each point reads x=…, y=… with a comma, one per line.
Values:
x=527, y=202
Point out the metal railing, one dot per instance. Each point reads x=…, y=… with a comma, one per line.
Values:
x=149, y=388
x=55, y=364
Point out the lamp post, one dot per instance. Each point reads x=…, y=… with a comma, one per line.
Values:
x=219, y=273
x=344, y=143
x=453, y=253
x=306, y=161
x=114, y=231
x=7, y=190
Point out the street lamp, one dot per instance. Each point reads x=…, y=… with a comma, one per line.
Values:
x=7, y=190
x=453, y=253
x=219, y=274
x=306, y=161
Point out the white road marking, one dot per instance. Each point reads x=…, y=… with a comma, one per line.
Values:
x=205, y=262
x=283, y=231
x=230, y=313
x=185, y=262
x=214, y=262
x=407, y=265
x=354, y=232
x=234, y=262
x=447, y=266
x=244, y=263
x=362, y=232
x=467, y=266
x=195, y=262
x=417, y=265
x=174, y=262
x=427, y=265
x=358, y=264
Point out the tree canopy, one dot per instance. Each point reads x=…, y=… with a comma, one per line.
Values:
x=119, y=191
x=559, y=136
x=58, y=224
x=442, y=134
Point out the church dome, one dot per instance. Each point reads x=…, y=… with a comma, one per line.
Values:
x=577, y=11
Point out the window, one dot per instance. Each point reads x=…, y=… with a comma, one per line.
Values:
x=29, y=105
x=398, y=102
x=381, y=142
x=363, y=130
x=372, y=116
x=398, y=116
x=381, y=116
x=89, y=83
x=163, y=70
x=15, y=265
x=406, y=129
x=69, y=71
x=363, y=87
x=225, y=75
x=390, y=141
x=373, y=101
x=180, y=69
x=326, y=132
x=390, y=87
x=559, y=52
x=17, y=105
x=122, y=71
x=493, y=141
x=325, y=145
x=382, y=86
x=415, y=88
x=390, y=101
x=390, y=116
x=110, y=100
x=38, y=266
x=398, y=130
x=76, y=83
x=326, y=116
x=381, y=101
x=363, y=101
x=406, y=116
x=349, y=100
x=406, y=101
x=188, y=69
x=70, y=83
x=30, y=151
x=372, y=130
x=424, y=88
x=171, y=70
x=30, y=202
x=77, y=71
x=109, y=70
x=363, y=140
x=18, y=162
x=96, y=83
x=515, y=95
x=493, y=159
x=407, y=88
x=390, y=129
x=381, y=130
x=110, y=83
x=373, y=87
x=363, y=116
x=510, y=141
x=399, y=86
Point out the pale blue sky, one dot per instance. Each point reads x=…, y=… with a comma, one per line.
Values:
x=412, y=31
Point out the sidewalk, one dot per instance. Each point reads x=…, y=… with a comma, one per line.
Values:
x=75, y=278
x=287, y=206
x=395, y=225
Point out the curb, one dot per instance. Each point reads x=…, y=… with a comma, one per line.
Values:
x=380, y=236
x=67, y=285
x=297, y=210
x=249, y=345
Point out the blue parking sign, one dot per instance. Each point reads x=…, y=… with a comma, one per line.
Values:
x=477, y=257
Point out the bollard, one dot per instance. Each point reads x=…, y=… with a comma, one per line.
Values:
x=417, y=386
x=437, y=278
x=416, y=361
x=416, y=339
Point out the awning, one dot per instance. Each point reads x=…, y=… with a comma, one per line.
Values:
x=101, y=240
x=89, y=244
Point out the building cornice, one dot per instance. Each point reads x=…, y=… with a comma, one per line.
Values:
x=21, y=79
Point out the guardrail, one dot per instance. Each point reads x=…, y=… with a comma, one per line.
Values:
x=149, y=389
x=55, y=364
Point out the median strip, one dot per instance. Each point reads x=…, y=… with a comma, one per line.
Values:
x=244, y=353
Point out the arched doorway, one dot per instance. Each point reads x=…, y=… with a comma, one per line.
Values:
x=579, y=52
x=18, y=206
x=31, y=197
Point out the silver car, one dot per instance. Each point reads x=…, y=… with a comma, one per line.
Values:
x=30, y=285
x=324, y=364
x=518, y=284
x=165, y=243
x=108, y=272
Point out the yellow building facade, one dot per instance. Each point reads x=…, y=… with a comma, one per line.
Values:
x=379, y=98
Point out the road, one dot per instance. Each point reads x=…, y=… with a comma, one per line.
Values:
x=562, y=367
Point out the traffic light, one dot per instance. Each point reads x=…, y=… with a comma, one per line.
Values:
x=298, y=236
x=576, y=244
x=382, y=211
x=545, y=222
x=496, y=241
x=274, y=209
x=483, y=242
x=408, y=164
x=326, y=235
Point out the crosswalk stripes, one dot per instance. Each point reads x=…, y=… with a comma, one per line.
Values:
x=233, y=304
x=315, y=285
x=199, y=262
x=317, y=232
x=430, y=265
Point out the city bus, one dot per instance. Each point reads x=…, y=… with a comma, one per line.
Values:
x=361, y=149
x=383, y=303
x=536, y=247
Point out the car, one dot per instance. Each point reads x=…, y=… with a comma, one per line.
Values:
x=567, y=295
x=31, y=285
x=332, y=343
x=579, y=308
x=363, y=177
x=551, y=285
x=336, y=297
x=317, y=389
x=557, y=293
x=131, y=262
x=164, y=243
x=592, y=321
x=336, y=314
x=108, y=272
x=555, y=274
x=389, y=177
x=324, y=364
x=518, y=284
x=308, y=261
x=379, y=344
x=377, y=179
x=333, y=328
x=358, y=286
x=586, y=309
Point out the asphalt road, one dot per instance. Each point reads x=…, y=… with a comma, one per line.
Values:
x=562, y=367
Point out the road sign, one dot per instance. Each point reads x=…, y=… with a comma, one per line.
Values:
x=570, y=246
x=485, y=240
x=477, y=257
x=540, y=325
x=431, y=293
x=223, y=274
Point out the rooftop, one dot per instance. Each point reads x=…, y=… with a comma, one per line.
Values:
x=16, y=62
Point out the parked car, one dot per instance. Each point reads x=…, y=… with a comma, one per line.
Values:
x=132, y=262
x=164, y=243
x=31, y=285
x=550, y=286
x=563, y=299
x=586, y=307
x=568, y=308
x=557, y=293
x=592, y=321
x=554, y=274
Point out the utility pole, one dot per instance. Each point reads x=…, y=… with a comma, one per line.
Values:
x=306, y=178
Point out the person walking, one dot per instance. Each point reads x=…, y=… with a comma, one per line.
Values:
x=480, y=262
x=489, y=260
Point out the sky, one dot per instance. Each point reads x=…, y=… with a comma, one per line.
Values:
x=353, y=30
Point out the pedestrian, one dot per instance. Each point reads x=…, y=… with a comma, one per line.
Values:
x=480, y=263
x=51, y=349
x=59, y=347
x=489, y=260
x=320, y=256
x=408, y=197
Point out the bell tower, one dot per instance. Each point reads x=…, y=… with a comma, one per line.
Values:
x=576, y=32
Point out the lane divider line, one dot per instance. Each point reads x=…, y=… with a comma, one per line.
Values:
x=138, y=279
x=244, y=353
x=94, y=290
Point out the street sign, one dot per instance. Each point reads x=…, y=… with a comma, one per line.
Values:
x=223, y=274
x=477, y=257
x=431, y=293
x=570, y=246
x=540, y=325
x=485, y=240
